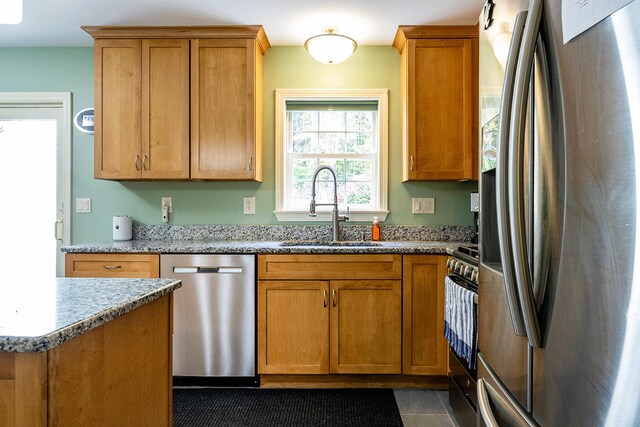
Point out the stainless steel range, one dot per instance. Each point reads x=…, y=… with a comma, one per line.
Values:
x=462, y=266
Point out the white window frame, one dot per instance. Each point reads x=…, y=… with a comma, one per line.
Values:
x=328, y=95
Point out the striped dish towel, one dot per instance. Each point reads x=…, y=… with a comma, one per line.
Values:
x=460, y=321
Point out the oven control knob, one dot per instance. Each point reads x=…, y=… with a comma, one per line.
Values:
x=457, y=266
x=467, y=271
x=474, y=276
x=449, y=262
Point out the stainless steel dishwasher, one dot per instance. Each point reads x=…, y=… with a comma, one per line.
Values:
x=213, y=318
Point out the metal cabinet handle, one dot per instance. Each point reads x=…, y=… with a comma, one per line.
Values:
x=504, y=147
x=250, y=163
x=483, y=405
x=334, y=298
x=324, y=298
x=144, y=162
x=135, y=162
x=516, y=173
x=112, y=267
x=411, y=163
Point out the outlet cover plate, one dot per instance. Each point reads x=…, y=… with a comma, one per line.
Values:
x=83, y=205
x=167, y=201
x=249, y=205
x=423, y=205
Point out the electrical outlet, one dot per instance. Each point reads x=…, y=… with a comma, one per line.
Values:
x=168, y=202
x=83, y=205
x=426, y=205
x=249, y=205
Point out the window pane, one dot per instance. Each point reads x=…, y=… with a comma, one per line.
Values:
x=332, y=121
x=362, y=142
x=332, y=143
x=303, y=169
x=301, y=194
x=359, y=170
x=338, y=167
x=360, y=121
x=305, y=143
x=304, y=121
x=358, y=193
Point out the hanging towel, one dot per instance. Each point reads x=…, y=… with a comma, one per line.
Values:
x=460, y=321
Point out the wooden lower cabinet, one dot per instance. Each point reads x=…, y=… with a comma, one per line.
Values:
x=112, y=265
x=366, y=320
x=425, y=350
x=293, y=327
x=322, y=327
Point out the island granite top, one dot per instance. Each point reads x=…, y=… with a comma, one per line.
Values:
x=262, y=247
x=37, y=318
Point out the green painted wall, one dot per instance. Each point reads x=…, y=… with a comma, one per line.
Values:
x=71, y=69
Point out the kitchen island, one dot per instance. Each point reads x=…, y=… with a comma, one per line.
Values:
x=86, y=352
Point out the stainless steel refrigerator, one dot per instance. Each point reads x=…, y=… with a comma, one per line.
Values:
x=559, y=291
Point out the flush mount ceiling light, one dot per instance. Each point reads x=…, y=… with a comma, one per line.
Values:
x=330, y=48
x=10, y=11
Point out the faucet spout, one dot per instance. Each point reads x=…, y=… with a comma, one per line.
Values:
x=335, y=216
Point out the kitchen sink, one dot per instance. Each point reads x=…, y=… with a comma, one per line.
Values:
x=329, y=243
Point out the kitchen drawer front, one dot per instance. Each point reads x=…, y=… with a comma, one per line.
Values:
x=112, y=265
x=323, y=267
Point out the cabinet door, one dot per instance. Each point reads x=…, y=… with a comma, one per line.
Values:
x=293, y=327
x=424, y=346
x=112, y=265
x=439, y=111
x=117, y=138
x=225, y=80
x=165, y=109
x=366, y=320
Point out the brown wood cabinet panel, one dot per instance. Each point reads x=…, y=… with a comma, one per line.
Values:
x=112, y=265
x=117, y=137
x=439, y=102
x=424, y=345
x=165, y=109
x=116, y=374
x=23, y=394
x=293, y=327
x=366, y=319
x=322, y=267
x=226, y=76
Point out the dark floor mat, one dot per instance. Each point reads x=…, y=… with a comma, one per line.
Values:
x=284, y=407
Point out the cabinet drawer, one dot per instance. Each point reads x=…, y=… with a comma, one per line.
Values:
x=112, y=265
x=322, y=267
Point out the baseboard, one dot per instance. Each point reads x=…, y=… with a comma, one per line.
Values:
x=354, y=381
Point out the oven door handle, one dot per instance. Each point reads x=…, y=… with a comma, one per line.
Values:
x=457, y=279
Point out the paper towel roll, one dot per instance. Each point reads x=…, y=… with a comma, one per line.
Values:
x=122, y=227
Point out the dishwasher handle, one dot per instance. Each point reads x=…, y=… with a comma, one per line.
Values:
x=209, y=270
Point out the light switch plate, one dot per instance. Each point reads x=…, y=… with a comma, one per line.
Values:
x=83, y=205
x=249, y=204
x=423, y=205
x=168, y=202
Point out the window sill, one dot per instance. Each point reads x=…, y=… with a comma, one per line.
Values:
x=324, y=216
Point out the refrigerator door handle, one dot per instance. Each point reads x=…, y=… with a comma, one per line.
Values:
x=483, y=405
x=516, y=174
x=506, y=253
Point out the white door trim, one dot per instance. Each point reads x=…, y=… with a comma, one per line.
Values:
x=57, y=100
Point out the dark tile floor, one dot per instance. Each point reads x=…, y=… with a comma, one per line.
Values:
x=421, y=408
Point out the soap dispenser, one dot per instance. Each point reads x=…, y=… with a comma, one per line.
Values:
x=375, y=230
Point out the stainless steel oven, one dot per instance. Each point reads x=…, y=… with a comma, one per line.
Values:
x=462, y=266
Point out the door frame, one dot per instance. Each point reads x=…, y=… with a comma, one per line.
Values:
x=51, y=100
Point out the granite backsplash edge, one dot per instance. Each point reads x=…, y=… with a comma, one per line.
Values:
x=436, y=233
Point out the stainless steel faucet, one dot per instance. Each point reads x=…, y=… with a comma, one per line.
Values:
x=335, y=215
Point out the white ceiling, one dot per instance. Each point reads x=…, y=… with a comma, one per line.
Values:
x=286, y=22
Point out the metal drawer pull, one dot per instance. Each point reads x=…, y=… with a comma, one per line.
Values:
x=334, y=298
x=112, y=267
x=250, y=163
x=411, y=165
x=324, y=298
x=144, y=162
x=135, y=162
x=214, y=270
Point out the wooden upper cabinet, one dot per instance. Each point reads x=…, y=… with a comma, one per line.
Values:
x=152, y=84
x=118, y=109
x=439, y=102
x=226, y=94
x=165, y=109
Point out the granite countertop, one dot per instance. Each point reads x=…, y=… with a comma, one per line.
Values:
x=37, y=317
x=263, y=247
